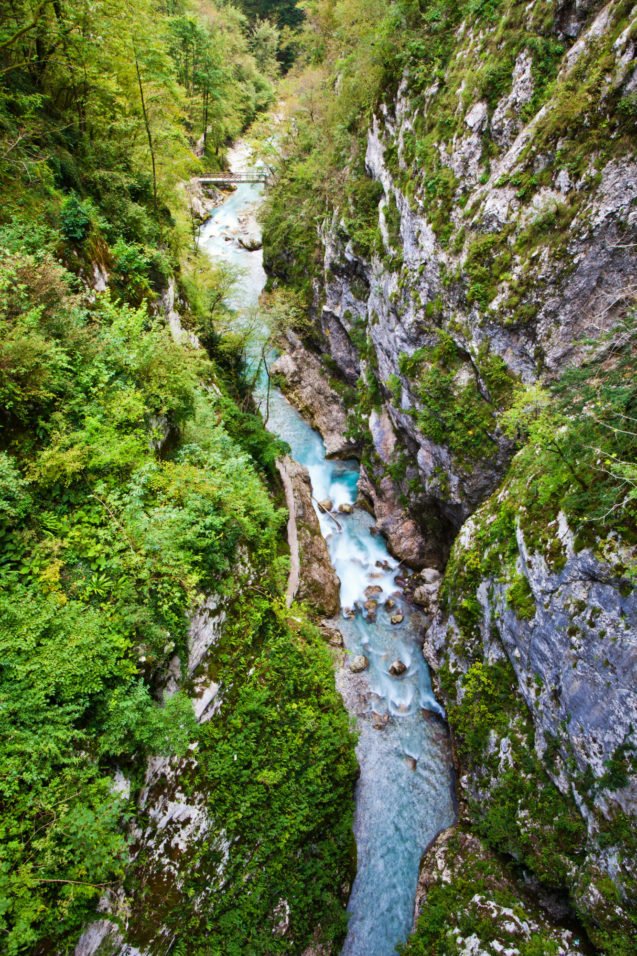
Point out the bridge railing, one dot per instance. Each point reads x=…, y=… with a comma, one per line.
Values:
x=249, y=176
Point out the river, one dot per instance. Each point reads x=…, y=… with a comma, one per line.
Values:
x=404, y=795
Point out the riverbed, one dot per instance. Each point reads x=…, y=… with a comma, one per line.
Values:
x=404, y=795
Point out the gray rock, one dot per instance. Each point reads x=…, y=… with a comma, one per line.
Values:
x=305, y=383
x=359, y=664
x=426, y=594
x=319, y=584
x=431, y=576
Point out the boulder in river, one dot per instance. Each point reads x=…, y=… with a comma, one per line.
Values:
x=397, y=618
x=379, y=721
x=346, y=508
x=370, y=605
x=372, y=589
x=326, y=504
x=359, y=664
x=390, y=604
x=250, y=242
x=397, y=669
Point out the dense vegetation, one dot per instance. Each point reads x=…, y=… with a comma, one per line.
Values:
x=134, y=481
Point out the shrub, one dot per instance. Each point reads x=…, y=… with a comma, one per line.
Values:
x=75, y=220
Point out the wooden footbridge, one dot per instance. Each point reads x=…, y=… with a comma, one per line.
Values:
x=234, y=179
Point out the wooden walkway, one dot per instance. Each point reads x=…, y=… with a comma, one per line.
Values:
x=233, y=179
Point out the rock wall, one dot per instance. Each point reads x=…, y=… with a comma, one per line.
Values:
x=319, y=586
x=497, y=277
x=535, y=650
x=502, y=239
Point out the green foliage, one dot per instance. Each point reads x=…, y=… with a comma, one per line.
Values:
x=290, y=249
x=286, y=12
x=453, y=410
x=107, y=542
x=487, y=259
x=520, y=597
x=132, y=478
x=486, y=698
x=364, y=196
x=277, y=769
x=465, y=902
x=75, y=220
x=581, y=444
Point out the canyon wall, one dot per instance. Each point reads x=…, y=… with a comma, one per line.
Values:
x=473, y=309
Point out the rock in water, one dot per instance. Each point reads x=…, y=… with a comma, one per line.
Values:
x=326, y=504
x=379, y=721
x=397, y=618
x=397, y=668
x=332, y=635
x=359, y=664
x=345, y=509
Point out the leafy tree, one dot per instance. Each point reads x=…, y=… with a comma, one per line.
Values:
x=285, y=12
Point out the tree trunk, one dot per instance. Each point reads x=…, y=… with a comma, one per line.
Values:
x=206, y=94
x=148, y=130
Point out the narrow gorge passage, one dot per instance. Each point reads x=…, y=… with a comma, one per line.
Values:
x=404, y=796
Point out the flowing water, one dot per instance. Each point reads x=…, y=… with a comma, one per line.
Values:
x=404, y=794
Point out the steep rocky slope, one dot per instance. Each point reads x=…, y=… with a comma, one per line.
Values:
x=473, y=289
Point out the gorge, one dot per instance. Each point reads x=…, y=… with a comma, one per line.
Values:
x=403, y=796
x=317, y=500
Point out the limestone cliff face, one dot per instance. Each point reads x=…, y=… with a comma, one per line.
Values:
x=171, y=819
x=503, y=237
x=496, y=265
x=536, y=655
